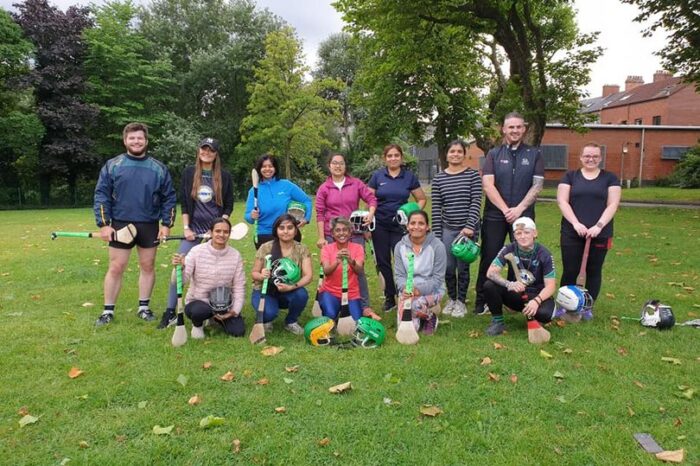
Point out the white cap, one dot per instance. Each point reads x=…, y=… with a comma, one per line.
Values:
x=525, y=223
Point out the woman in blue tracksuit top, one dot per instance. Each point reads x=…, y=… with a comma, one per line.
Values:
x=274, y=196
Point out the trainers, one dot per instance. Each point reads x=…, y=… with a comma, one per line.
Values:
x=294, y=328
x=459, y=310
x=104, y=319
x=496, y=328
x=449, y=307
x=482, y=310
x=146, y=315
x=197, y=333
x=267, y=326
x=169, y=318
x=430, y=325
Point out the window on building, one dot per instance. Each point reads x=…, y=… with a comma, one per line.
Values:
x=656, y=120
x=673, y=152
x=637, y=121
x=555, y=156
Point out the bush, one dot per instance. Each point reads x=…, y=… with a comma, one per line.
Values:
x=687, y=171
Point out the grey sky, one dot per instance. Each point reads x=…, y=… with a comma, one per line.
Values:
x=626, y=51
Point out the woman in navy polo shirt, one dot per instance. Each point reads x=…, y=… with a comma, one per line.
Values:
x=392, y=185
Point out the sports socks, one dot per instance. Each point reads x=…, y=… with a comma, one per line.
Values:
x=109, y=309
x=144, y=304
x=497, y=319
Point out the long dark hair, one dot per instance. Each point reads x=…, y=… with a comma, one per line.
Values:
x=276, y=248
x=216, y=178
x=273, y=161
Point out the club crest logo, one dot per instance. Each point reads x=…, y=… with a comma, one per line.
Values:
x=205, y=194
x=525, y=162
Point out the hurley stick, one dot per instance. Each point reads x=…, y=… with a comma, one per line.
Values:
x=257, y=334
x=180, y=334
x=316, y=309
x=256, y=180
x=536, y=334
x=406, y=333
x=123, y=235
x=238, y=232
x=346, y=324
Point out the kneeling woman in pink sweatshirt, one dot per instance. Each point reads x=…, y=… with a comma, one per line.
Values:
x=207, y=267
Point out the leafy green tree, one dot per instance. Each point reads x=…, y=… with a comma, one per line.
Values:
x=58, y=78
x=686, y=173
x=682, y=19
x=126, y=79
x=286, y=116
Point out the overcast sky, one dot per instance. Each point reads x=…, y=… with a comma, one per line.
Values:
x=626, y=51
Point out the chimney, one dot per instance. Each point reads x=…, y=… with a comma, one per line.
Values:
x=610, y=89
x=633, y=81
x=662, y=75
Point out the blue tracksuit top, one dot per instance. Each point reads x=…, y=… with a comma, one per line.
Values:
x=273, y=197
x=134, y=189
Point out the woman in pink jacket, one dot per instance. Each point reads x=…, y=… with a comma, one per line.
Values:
x=339, y=196
x=209, y=266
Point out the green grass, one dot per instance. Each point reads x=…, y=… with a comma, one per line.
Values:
x=649, y=194
x=588, y=417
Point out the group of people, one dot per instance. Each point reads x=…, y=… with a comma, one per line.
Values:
x=133, y=188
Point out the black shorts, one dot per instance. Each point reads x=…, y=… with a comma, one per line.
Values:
x=146, y=234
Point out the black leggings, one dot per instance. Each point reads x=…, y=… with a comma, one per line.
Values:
x=496, y=296
x=199, y=311
x=493, y=236
x=571, y=255
x=384, y=241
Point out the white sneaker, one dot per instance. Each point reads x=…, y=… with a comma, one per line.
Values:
x=267, y=326
x=449, y=307
x=197, y=333
x=294, y=328
x=460, y=310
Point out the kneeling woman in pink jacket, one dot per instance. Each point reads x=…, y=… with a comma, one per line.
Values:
x=207, y=267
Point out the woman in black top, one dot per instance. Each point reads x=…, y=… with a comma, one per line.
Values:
x=588, y=199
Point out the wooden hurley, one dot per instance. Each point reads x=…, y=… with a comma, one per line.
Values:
x=125, y=235
x=316, y=309
x=180, y=334
x=257, y=334
x=346, y=324
x=256, y=180
x=406, y=333
x=536, y=334
x=238, y=232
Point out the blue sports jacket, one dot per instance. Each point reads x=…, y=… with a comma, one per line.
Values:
x=273, y=197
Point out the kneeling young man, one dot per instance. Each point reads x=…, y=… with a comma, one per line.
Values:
x=532, y=291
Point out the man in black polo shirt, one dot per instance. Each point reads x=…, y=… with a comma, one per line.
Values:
x=513, y=176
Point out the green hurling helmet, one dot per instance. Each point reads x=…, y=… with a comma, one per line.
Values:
x=369, y=333
x=285, y=270
x=317, y=332
x=297, y=210
x=357, y=220
x=465, y=249
x=404, y=211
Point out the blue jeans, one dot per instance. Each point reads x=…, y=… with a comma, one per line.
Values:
x=330, y=306
x=295, y=301
x=361, y=278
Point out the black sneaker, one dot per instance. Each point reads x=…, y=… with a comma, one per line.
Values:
x=104, y=319
x=496, y=328
x=169, y=318
x=389, y=305
x=481, y=310
x=146, y=315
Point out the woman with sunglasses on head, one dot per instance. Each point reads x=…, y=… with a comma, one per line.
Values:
x=588, y=199
x=392, y=185
x=274, y=196
x=280, y=294
x=339, y=196
x=206, y=191
x=208, y=267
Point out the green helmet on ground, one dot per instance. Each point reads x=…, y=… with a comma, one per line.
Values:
x=297, y=210
x=369, y=333
x=465, y=249
x=317, y=332
x=285, y=270
x=405, y=211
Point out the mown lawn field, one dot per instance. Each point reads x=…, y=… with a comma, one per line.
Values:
x=579, y=402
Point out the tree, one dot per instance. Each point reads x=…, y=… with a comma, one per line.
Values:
x=682, y=19
x=59, y=83
x=286, y=116
x=126, y=79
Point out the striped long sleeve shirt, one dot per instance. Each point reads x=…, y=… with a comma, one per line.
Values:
x=456, y=200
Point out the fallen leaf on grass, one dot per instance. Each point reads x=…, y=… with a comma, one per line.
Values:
x=247, y=373
x=287, y=380
x=263, y=381
x=343, y=387
x=676, y=456
x=558, y=375
x=158, y=430
x=294, y=368
x=430, y=410
x=567, y=351
x=498, y=346
x=87, y=304
x=227, y=377
x=27, y=419
x=207, y=365
x=545, y=354
x=609, y=295
x=674, y=361
x=271, y=350
x=561, y=399
x=23, y=411
x=494, y=377
x=195, y=400
x=182, y=379
x=622, y=351
x=486, y=361
x=687, y=394
x=630, y=411
x=474, y=334
x=142, y=404
x=74, y=372
x=83, y=444
x=639, y=384
x=677, y=422
x=513, y=378
x=236, y=446
x=324, y=441
x=281, y=410
x=211, y=421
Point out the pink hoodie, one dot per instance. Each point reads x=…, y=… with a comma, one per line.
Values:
x=332, y=202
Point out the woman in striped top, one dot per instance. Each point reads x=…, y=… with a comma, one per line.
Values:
x=456, y=198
